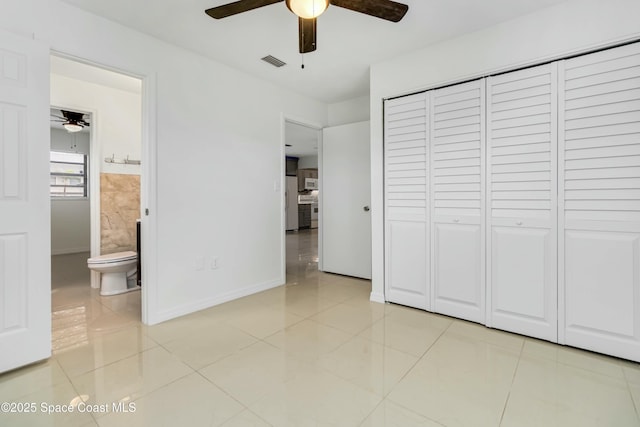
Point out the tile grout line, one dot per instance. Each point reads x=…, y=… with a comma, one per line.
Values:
x=513, y=379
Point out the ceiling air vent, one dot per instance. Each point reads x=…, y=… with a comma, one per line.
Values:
x=274, y=61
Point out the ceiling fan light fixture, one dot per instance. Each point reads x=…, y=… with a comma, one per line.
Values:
x=307, y=9
x=72, y=127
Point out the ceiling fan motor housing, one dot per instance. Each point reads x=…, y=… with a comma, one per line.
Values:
x=307, y=9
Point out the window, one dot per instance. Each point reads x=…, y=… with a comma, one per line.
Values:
x=68, y=175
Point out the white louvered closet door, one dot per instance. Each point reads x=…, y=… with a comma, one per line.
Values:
x=457, y=200
x=406, y=212
x=522, y=201
x=600, y=201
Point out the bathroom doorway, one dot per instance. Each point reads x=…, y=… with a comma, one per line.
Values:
x=302, y=144
x=95, y=215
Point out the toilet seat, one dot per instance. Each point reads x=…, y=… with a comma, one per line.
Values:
x=113, y=258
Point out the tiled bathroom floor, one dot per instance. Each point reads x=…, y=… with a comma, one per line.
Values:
x=315, y=352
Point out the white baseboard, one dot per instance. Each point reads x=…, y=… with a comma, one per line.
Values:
x=66, y=251
x=217, y=300
x=377, y=297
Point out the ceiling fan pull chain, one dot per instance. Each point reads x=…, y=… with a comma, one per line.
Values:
x=302, y=59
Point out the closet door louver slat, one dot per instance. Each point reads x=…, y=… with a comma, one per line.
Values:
x=599, y=169
x=521, y=201
x=406, y=181
x=457, y=200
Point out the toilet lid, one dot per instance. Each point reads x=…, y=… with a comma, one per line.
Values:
x=115, y=257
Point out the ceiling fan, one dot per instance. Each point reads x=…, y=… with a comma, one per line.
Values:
x=309, y=10
x=72, y=121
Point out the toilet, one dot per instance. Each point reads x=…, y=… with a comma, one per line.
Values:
x=114, y=270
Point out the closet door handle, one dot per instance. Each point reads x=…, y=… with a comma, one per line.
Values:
x=456, y=220
x=518, y=222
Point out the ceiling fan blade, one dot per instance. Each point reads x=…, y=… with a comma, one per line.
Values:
x=384, y=9
x=307, y=34
x=237, y=7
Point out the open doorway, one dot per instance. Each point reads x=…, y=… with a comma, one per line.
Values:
x=302, y=201
x=96, y=134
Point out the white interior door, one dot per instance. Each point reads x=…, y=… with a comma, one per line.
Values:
x=406, y=183
x=457, y=200
x=600, y=201
x=522, y=201
x=25, y=241
x=346, y=193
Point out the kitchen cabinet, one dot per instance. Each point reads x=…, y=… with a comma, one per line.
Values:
x=305, y=173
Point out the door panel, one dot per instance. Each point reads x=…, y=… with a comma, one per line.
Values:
x=522, y=201
x=406, y=267
x=458, y=270
x=457, y=166
x=345, y=192
x=520, y=268
x=25, y=281
x=406, y=181
x=602, y=282
x=600, y=201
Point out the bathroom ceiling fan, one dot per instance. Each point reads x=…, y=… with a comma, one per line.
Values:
x=309, y=10
x=72, y=121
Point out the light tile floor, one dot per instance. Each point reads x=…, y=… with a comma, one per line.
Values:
x=315, y=352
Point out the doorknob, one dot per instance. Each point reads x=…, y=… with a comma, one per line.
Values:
x=366, y=209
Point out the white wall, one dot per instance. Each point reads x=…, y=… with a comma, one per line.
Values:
x=349, y=111
x=212, y=151
x=70, y=219
x=118, y=118
x=308, y=162
x=571, y=27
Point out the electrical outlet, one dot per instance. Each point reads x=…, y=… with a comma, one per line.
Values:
x=199, y=263
x=214, y=263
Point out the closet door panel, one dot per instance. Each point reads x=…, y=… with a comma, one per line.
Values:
x=600, y=201
x=406, y=259
x=457, y=200
x=457, y=267
x=521, y=267
x=522, y=201
x=406, y=181
x=601, y=269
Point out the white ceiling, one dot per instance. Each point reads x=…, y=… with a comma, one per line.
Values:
x=348, y=42
x=303, y=140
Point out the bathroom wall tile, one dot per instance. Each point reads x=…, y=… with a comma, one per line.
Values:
x=119, y=209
